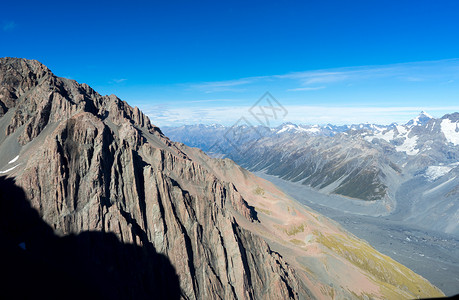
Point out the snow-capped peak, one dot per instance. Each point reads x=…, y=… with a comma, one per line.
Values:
x=421, y=119
x=294, y=128
x=423, y=113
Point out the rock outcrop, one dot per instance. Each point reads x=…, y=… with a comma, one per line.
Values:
x=93, y=163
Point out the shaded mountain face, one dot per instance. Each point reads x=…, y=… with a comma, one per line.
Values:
x=91, y=264
x=93, y=164
x=365, y=162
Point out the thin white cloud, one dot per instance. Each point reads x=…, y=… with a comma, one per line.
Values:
x=119, y=80
x=223, y=86
x=210, y=100
x=361, y=114
x=402, y=72
x=315, y=88
x=224, y=89
x=327, y=79
x=312, y=77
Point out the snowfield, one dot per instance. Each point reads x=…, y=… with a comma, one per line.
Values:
x=388, y=136
x=434, y=172
x=451, y=131
x=13, y=160
x=409, y=146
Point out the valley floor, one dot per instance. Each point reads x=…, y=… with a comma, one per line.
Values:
x=432, y=254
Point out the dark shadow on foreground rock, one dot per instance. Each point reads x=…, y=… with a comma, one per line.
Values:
x=90, y=265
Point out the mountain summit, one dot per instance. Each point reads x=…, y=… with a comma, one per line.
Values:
x=421, y=119
x=92, y=163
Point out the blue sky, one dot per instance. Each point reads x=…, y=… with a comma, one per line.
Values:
x=210, y=61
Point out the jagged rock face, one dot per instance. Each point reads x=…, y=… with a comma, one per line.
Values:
x=16, y=78
x=93, y=163
x=102, y=166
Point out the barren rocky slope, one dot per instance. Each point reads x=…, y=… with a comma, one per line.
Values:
x=93, y=163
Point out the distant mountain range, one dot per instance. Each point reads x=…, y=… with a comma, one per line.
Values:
x=216, y=134
x=412, y=169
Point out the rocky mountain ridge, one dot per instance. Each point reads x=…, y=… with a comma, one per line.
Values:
x=92, y=162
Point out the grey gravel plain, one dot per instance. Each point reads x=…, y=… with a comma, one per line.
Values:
x=432, y=254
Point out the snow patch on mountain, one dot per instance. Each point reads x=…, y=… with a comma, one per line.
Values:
x=387, y=136
x=13, y=160
x=435, y=172
x=286, y=128
x=409, y=146
x=401, y=129
x=298, y=128
x=451, y=131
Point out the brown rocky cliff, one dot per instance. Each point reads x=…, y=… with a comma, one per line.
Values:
x=92, y=162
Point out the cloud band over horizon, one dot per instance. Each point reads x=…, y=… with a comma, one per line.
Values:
x=321, y=115
x=374, y=94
